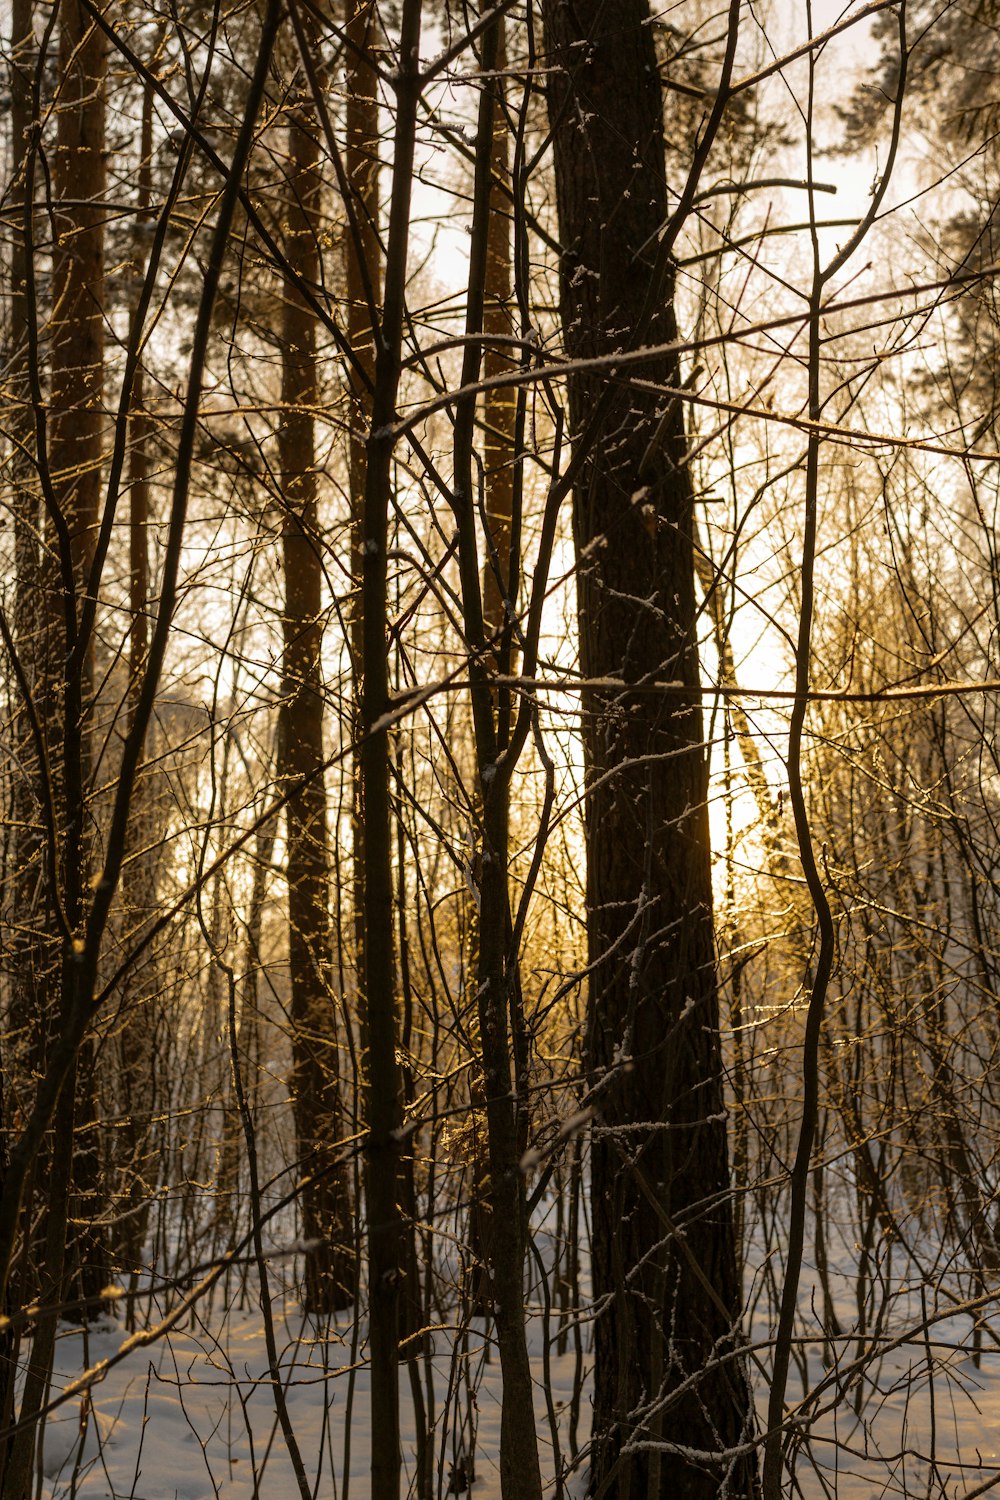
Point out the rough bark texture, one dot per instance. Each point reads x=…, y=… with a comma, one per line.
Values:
x=137, y=1073
x=500, y=404
x=499, y=996
x=498, y=990
x=363, y=269
x=383, y=1093
x=325, y=1203
x=499, y=415
x=664, y=1262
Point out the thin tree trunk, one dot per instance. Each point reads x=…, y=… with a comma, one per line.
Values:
x=380, y=990
x=326, y=1207
x=247, y=1045
x=137, y=1089
x=30, y=955
x=74, y=456
x=28, y=851
x=498, y=987
x=363, y=267
x=664, y=1265
x=499, y=418
x=500, y=402
x=34, y=948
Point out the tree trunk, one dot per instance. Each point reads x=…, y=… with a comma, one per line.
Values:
x=499, y=403
x=498, y=988
x=664, y=1263
x=137, y=1082
x=363, y=267
x=326, y=1207
x=382, y=1150
x=75, y=445
x=499, y=417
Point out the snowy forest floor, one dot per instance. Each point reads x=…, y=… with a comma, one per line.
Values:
x=905, y=1410
x=193, y=1417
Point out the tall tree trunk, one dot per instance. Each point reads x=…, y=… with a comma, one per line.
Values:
x=498, y=988
x=137, y=1072
x=499, y=403
x=499, y=417
x=27, y=857
x=664, y=1264
x=326, y=1207
x=34, y=947
x=65, y=681
x=363, y=267
x=75, y=451
x=382, y=1149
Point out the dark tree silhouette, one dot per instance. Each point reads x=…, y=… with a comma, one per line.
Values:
x=671, y=1404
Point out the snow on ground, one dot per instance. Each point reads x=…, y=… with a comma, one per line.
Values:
x=901, y=1403
x=192, y=1417
x=924, y=1422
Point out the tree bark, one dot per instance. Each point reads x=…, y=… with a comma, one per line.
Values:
x=137, y=1082
x=363, y=268
x=664, y=1263
x=499, y=417
x=498, y=989
x=383, y=1099
x=75, y=451
x=326, y=1207
x=500, y=402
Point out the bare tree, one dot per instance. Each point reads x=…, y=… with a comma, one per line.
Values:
x=380, y=995
x=672, y=1407
x=326, y=1207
